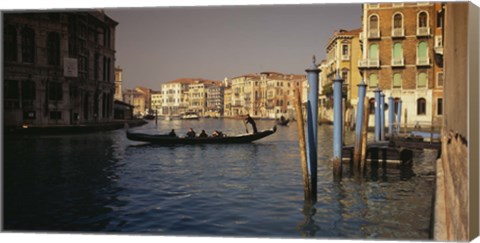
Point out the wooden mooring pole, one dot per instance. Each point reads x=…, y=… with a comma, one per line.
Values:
x=337, y=128
x=307, y=191
x=363, y=154
x=405, y=123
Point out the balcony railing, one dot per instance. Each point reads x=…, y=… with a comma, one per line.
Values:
x=423, y=31
x=368, y=63
x=373, y=34
x=398, y=62
x=398, y=32
x=423, y=61
x=345, y=57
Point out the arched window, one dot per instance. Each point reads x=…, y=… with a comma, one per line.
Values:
x=373, y=80
x=374, y=22
x=397, y=21
x=422, y=20
x=28, y=45
x=421, y=106
x=10, y=47
x=397, y=80
x=371, y=106
x=396, y=101
x=422, y=80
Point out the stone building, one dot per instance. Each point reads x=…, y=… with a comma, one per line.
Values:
x=139, y=98
x=58, y=68
x=200, y=92
x=343, y=52
x=401, y=45
x=264, y=95
x=215, y=98
x=118, y=83
x=156, y=102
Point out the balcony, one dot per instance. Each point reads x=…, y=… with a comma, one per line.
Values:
x=438, y=50
x=423, y=31
x=368, y=63
x=345, y=57
x=398, y=32
x=398, y=62
x=423, y=61
x=374, y=34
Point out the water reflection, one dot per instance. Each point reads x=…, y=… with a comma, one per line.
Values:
x=307, y=227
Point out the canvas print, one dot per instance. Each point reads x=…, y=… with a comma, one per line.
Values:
x=325, y=121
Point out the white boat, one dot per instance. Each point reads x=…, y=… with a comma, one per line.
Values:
x=190, y=116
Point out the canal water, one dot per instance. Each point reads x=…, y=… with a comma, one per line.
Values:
x=104, y=183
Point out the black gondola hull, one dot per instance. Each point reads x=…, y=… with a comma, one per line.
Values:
x=169, y=140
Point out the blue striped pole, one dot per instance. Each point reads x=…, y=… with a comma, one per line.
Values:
x=377, y=114
x=312, y=125
x=337, y=127
x=359, y=123
x=391, y=116
x=399, y=115
x=382, y=116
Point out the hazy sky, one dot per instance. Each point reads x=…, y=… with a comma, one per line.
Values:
x=156, y=45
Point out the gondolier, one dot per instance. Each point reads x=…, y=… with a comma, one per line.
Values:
x=250, y=120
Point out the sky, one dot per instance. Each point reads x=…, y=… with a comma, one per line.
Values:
x=156, y=45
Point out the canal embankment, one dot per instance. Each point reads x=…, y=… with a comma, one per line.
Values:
x=73, y=128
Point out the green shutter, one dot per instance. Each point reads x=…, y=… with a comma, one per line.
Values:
x=422, y=80
x=373, y=80
x=422, y=49
x=397, y=51
x=373, y=52
x=397, y=80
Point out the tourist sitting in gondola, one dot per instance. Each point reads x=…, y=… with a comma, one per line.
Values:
x=172, y=133
x=217, y=134
x=191, y=133
x=203, y=134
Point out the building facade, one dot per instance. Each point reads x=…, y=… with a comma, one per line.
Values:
x=156, y=102
x=399, y=42
x=118, y=84
x=139, y=98
x=58, y=68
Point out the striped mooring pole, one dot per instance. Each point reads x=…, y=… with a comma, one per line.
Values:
x=312, y=126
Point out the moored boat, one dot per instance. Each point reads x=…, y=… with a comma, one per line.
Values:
x=167, y=139
x=190, y=116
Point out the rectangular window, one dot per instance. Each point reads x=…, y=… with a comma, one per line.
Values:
x=11, y=89
x=55, y=91
x=440, y=106
x=10, y=47
x=28, y=45
x=28, y=90
x=440, y=79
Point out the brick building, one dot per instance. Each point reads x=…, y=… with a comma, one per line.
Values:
x=58, y=68
x=402, y=55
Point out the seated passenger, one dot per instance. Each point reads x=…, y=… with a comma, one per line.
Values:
x=203, y=134
x=217, y=134
x=172, y=133
x=190, y=133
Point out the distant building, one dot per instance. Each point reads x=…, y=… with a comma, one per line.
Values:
x=215, y=99
x=199, y=93
x=264, y=95
x=118, y=83
x=58, y=68
x=402, y=55
x=156, y=102
x=139, y=98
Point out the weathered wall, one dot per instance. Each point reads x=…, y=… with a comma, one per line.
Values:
x=456, y=207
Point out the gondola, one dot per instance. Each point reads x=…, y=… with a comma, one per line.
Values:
x=168, y=140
